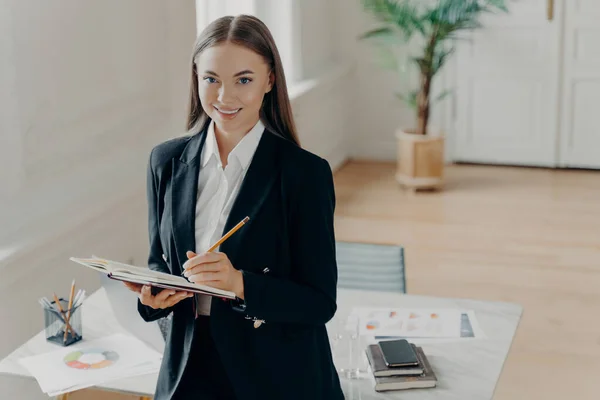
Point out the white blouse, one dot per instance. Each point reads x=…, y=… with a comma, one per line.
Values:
x=218, y=188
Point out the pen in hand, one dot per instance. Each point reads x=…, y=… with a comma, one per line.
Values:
x=225, y=237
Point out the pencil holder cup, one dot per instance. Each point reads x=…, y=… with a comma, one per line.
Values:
x=56, y=327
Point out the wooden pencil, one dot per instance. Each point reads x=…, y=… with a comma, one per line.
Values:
x=68, y=326
x=231, y=232
x=226, y=236
x=68, y=318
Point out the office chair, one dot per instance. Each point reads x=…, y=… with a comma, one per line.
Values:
x=370, y=267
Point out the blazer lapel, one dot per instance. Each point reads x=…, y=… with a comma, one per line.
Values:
x=184, y=193
x=255, y=188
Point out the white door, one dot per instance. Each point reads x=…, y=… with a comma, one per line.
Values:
x=580, y=122
x=507, y=87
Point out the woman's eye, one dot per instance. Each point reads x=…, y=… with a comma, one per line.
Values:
x=245, y=81
x=210, y=79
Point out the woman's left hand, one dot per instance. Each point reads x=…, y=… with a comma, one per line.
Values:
x=214, y=269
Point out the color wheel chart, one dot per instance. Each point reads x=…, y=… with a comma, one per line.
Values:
x=91, y=359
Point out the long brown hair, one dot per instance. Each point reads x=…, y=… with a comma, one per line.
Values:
x=252, y=33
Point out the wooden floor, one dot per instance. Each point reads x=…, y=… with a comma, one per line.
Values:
x=529, y=236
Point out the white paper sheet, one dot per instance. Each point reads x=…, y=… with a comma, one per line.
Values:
x=144, y=369
x=470, y=329
x=88, y=363
x=409, y=323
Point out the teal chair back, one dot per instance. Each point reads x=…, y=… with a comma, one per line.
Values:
x=370, y=267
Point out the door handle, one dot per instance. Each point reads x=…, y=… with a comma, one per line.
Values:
x=550, y=9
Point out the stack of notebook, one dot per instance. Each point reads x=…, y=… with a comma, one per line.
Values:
x=397, y=365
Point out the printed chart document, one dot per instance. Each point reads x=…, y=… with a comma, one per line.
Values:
x=88, y=363
x=146, y=276
x=413, y=322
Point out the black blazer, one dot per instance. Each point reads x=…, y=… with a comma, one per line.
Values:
x=288, y=194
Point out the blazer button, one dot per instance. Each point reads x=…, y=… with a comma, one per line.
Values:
x=164, y=257
x=257, y=323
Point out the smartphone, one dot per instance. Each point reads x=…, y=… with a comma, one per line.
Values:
x=398, y=353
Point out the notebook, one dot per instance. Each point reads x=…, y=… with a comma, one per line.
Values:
x=426, y=380
x=146, y=276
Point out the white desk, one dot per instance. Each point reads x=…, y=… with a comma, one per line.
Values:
x=466, y=368
x=98, y=322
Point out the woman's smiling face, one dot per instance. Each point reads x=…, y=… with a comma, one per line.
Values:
x=232, y=82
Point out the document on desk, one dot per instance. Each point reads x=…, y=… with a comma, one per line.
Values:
x=88, y=363
x=415, y=322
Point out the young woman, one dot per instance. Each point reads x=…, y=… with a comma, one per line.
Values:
x=242, y=159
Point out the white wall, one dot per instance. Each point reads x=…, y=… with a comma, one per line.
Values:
x=87, y=89
x=317, y=36
x=322, y=99
x=350, y=107
x=94, y=85
x=376, y=113
x=320, y=110
x=10, y=146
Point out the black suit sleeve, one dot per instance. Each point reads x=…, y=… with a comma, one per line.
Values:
x=309, y=296
x=155, y=260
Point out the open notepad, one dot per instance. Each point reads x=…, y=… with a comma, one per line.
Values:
x=146, y=276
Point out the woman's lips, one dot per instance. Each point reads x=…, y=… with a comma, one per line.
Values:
x=227, y=114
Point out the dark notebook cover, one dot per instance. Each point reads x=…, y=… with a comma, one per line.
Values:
x=379, y=368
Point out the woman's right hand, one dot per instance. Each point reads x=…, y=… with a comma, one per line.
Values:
x=165, y=299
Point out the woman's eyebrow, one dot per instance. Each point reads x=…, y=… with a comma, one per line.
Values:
x=244, y=72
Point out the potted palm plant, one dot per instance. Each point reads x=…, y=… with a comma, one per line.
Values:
x=436, y=24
